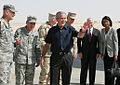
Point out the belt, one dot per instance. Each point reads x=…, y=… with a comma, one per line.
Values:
x=61, y=53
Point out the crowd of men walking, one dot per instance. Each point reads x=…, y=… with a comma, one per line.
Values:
x=51, y=47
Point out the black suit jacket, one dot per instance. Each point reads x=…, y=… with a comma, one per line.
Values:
x=118, y=33
x=87, y=47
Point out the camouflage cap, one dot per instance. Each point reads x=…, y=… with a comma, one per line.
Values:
x=72, y=15
x=31, y=19
x=51, y=15
x=9, y=7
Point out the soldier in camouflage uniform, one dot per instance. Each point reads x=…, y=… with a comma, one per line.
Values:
x=70, y=20
x=27, y=53
x=43, y=30
x=6, y=44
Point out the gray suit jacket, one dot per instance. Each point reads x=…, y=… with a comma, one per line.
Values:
x=111, y=42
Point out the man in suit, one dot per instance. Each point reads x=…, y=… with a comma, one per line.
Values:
x=118, y=33
x=88, y=49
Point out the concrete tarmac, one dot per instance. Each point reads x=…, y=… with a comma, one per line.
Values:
x=75, y=78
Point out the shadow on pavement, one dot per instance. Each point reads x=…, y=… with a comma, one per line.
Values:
x=99, y=66
x=75, y=84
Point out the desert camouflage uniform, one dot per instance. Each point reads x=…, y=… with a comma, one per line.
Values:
x=43, y=30
x=6, y=52
x=72, y=15
x=74, y=49
x=27, y=52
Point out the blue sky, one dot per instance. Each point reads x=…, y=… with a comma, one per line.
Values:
x=95, y=9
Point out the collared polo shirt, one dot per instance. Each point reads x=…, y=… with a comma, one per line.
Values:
x=61, y=40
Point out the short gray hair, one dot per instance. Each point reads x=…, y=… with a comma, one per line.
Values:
x=58, y=14
x=90, y=19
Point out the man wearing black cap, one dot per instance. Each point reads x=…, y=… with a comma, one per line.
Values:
x=6, y=44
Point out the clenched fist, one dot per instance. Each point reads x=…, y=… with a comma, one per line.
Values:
x=17, y=41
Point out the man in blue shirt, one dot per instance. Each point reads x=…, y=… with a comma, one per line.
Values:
x=61, y=39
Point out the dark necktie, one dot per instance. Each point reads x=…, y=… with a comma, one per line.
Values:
x=89, y=34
